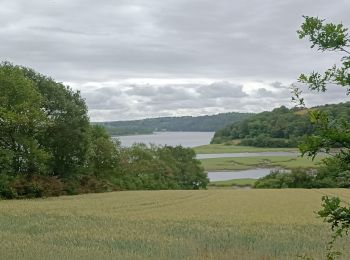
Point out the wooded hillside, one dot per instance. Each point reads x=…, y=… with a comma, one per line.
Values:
x=185, y=123
x=282, y=127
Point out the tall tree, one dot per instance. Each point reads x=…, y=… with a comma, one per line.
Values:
x=22, y=121
x=67, y=136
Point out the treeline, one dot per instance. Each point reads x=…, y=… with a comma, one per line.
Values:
x=332, y=174
x=282, y=127
x=48, y=146
x=185, y=123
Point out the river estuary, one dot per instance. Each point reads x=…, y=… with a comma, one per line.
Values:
x=193, y=139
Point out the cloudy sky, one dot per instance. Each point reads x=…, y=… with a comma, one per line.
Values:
x=149, y=58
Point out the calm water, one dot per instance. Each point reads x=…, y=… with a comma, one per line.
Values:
x=250, y=174
x=192, y=139
x=186, y=139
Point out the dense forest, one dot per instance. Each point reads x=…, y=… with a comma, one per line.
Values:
x=185, y=123
x=282, y=127
x=48, y=146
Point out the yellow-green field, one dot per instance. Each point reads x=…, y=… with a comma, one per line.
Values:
x=208, y=224
x=244, y=163
x=222, y=148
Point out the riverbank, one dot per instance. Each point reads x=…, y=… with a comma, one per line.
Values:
x=232, y=165
x=222, y=148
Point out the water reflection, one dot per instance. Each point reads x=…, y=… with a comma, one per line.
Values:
x=186, y=139
x=245, y=174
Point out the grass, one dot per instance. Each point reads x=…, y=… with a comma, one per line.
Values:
x=211, y=224
x=233, y=183
x=245, y=163
x=222, y=148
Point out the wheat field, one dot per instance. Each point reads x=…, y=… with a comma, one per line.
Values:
x=207, y=224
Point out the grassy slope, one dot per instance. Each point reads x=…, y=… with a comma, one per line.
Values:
x=222, y=148
x=213, y=224
x=256, y=162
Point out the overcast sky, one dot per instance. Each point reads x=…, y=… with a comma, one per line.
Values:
x=150, y=58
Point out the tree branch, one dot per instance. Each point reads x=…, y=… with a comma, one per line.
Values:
x=342, y=49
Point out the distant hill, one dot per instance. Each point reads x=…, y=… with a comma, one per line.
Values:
x=184, y=123
x=282, y=127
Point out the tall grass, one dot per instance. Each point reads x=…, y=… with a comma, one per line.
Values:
x=212, y=224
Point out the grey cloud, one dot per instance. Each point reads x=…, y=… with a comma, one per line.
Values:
x=52, y=29
x=106, y=40
x=263, y=92
x=159, y=94
x=131, y=101
x=276, y=90
x=227, y=42
x=125, y=101
x=175, y=92
x=145, y=90
x=103, y=98
x=222, y=90
x=278, y=85
x=334, y=94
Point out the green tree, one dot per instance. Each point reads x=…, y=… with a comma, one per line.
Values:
x=189, y=173
x=67, y=136
x=160, y=167
x=22, y=121
x=103, y=158
x=44, y=130
x=48, y=147
x=334, y=38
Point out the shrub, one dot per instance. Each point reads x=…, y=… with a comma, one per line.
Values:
x=277, y=179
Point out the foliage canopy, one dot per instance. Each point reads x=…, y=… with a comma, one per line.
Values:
x=48, y=147
x=329, y=37
x=282, y=127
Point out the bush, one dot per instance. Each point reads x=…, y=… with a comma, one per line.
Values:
x=330, y=175
x=297, y=178
x=6, y=191
x=161, y=167
x=37, y=186
x=265, y=141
